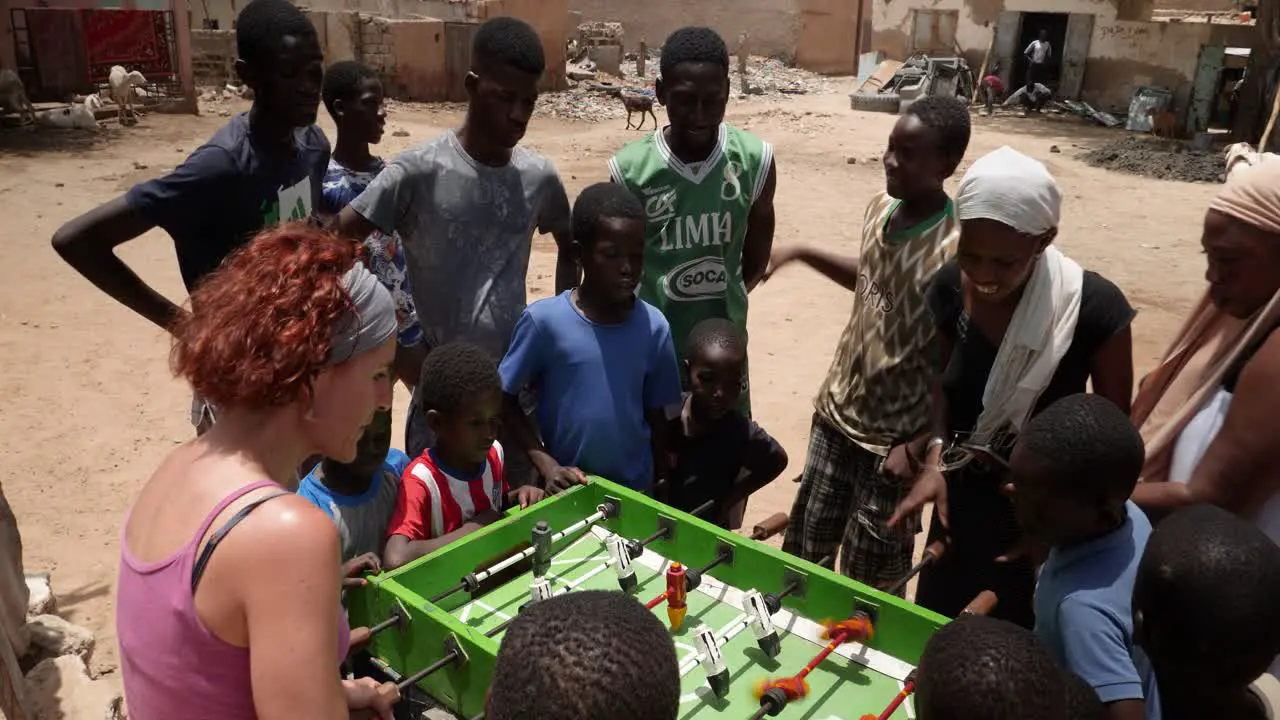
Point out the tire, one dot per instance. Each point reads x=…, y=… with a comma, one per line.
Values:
x=875, y=102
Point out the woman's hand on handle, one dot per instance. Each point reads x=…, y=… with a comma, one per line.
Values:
x=369, y=700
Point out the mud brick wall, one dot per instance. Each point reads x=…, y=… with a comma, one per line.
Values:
x=213, y=56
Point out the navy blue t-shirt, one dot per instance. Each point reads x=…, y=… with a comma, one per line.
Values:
x=228, y=190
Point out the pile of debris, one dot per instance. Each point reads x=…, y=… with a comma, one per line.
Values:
x=53, y=657
x=1163, y=160
x=593, y=94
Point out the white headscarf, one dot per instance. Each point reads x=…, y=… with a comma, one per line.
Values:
x=1010, y=188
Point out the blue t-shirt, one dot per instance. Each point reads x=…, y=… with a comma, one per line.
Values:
x=228, y=190
x=362, y=519
x=1084, y=612
x=594, y=383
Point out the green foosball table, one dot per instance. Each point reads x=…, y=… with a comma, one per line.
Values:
x=742, y=612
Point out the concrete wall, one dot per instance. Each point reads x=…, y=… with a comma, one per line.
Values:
x=408, y=56
x=774, y=25
x=1123, y=54
x=214, y=56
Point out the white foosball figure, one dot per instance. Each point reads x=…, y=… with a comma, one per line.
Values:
x=712, y=661
x=761, y=623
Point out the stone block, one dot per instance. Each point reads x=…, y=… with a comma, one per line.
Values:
x=61, y=689
x=40, y=599
x=608, y=58
x=52, y=637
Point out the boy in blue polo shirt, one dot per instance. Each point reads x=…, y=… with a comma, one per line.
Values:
x=1073, y=469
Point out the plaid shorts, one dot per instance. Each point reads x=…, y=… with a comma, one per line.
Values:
x=844, y=500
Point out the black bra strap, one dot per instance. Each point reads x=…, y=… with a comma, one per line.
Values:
x=217, y=537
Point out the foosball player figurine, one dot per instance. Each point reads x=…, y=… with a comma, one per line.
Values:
x=676, y=595
x=620, y=557
x=761, y=623
x=712, y=661
x=774, y=694
x=540, y=587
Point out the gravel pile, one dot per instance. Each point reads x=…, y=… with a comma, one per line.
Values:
x=1160, y=159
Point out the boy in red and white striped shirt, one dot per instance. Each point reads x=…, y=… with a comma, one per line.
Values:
x=456, y=486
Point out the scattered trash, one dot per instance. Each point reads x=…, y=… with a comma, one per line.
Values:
x=1162, y=160
x=1054, y=149
x=399, y=132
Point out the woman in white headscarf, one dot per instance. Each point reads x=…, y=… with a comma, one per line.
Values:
x=1020, y=325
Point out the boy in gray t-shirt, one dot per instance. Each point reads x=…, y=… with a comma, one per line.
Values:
x=466, y=205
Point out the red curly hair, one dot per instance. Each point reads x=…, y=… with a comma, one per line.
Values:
x=262, y=324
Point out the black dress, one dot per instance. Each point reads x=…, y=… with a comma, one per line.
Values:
x=983, y=526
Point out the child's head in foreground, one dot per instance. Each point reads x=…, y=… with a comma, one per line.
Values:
x=1073, y=468
x=585, y=655
x=716, y=363
x=1206, y=602
x=979, y=668
x=926, y=146
x=507, y=61
x=279, y=58
x=353, y=96
x=462, y=397
x=608, y=231
x=693, y=85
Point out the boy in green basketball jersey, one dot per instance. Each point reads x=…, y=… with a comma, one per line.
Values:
x=707, y=189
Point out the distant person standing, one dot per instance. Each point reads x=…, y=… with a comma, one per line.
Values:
x=1038, y=53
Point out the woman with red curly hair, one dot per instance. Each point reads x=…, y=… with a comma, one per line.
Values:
x=293, y=342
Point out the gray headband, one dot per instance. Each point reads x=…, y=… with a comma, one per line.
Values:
x=372, y=323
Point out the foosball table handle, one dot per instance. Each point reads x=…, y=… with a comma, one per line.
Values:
x=388, y=691
x=360, y=638
x=982, y=605
x=770, y=526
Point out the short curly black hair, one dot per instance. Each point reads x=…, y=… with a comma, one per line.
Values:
x=948, y=117
x=1086, y=448
x=979, y=667
x=718, y=332
x=693, y=44
x=454, y=375
x=508, y=42
x=602, y=200
x=1206, y=594
x=342, y=82
x=262, y=23
x=585, y=655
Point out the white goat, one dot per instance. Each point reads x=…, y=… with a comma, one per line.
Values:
x=122, y=84
x=13, y=97
x=72, y=116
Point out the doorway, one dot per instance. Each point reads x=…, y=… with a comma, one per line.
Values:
x=1055, y=26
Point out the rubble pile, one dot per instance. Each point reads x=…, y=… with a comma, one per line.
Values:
x=1162, y=160
x=593, y=95
x=52, y=658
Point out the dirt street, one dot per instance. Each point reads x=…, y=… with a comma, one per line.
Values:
x=92, y=407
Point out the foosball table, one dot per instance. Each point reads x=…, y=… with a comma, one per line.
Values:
x=757, y=632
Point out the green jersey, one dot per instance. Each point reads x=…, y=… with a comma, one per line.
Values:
x=695, y=225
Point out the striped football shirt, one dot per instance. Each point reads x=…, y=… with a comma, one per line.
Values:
x=434, y=502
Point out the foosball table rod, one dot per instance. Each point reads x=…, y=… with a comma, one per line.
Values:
x=605, y=510
x=931, y=555
x=391, y=691
x=775, y=694
x=908, y=687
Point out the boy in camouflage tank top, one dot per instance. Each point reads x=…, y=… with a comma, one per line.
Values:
x=707, y=189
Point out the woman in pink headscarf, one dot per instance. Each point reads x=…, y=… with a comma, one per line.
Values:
x=1208, y=411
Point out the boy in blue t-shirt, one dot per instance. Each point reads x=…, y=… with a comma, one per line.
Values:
x=600, y=360
x=360, y=496
x=1073, y=469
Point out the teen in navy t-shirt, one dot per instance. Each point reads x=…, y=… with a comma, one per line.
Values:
x=265, y=166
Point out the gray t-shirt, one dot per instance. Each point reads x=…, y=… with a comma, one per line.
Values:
x=467, y=229
x=362, y=519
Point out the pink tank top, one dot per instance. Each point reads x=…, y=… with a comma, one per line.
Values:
x=172, y=666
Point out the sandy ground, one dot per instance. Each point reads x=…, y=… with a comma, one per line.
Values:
x=91, y=407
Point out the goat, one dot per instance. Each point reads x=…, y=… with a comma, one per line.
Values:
x=72, y=116
x=638, y=104
x=122, y=84
x=1163, y=123
x=13, y=97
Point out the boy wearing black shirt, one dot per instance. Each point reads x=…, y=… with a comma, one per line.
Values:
x=717, y=453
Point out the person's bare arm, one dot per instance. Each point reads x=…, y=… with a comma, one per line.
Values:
x=930, y=484
x=555, y=476
x=401, y=550
x=567, y=272
x=1126, y=710
x=88, y=244
x=408, y=363
x=352, y=225
x=1111, y=369
x=283, y=562
x=660, y=445
x=840, y=269
x=761, y=222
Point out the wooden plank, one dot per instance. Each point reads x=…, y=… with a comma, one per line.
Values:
x=883, y=73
